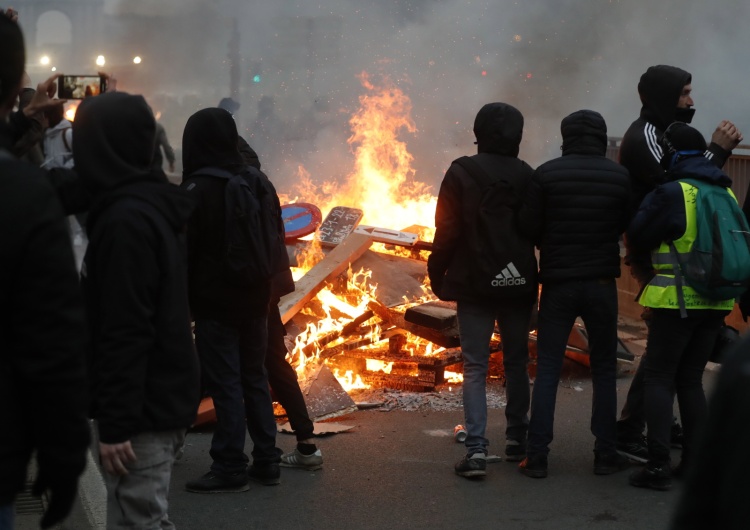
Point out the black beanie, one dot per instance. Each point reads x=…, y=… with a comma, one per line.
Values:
x=680, y=140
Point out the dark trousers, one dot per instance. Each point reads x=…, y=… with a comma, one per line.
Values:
x=283, y=378
x=595, y=301
x=476, y=323
x=678, y=350
x=232, y=360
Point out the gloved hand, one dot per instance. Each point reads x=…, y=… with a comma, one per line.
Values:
x=62, y=491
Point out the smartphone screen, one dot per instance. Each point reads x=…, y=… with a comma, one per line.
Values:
x=80, y=86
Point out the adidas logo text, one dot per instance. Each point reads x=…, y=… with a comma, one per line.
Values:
x=509, y=277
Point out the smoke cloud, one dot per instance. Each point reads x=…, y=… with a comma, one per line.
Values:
x=298, y=66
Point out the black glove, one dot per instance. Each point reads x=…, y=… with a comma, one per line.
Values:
x=744, y=305
x=62, y=493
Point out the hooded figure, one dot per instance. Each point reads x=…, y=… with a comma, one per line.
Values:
x=144, y=373
x=458, y=245
x=576, y=208
x=230, y=315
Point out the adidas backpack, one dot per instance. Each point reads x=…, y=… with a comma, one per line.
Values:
x=505, y=264
x=718, y=264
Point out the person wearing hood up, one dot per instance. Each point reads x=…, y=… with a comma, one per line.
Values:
x=498, y=128
x=679, y=345
x=143, y=368
x=575, y=210
x=666, y=96
x=42, y=324
x=230, y=314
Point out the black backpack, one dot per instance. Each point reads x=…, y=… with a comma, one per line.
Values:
x=254, y=240
x=504, y=263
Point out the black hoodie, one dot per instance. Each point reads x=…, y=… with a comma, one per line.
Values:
x=210, y=140
x=498, y=128
x=577, y=205
x=640, y=152
x=143, y=366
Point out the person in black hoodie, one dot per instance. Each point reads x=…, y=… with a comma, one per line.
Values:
x=498, y=128
x=42, y=324
x=666, y=96
x=575, y=210
x=143, y=367
x=230, y=314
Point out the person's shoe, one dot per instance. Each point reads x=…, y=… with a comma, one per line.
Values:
x=608, y=463
x=472, y=466
x=213, y=482
x=655, y=478
x=636, y=451
x=515, y=450
x=676, y=435
x=266, y=474
x=534, y=466
x=301, y=461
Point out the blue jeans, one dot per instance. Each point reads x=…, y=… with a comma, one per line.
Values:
x=232, y=359
x=7, y=512
x=476, y=323
x=595, y=301
x=678, y=350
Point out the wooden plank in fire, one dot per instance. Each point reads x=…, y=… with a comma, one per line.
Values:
x=336, y=262
x=437, y=315
x=324, y=396
x=438, y=360
x=445, y=338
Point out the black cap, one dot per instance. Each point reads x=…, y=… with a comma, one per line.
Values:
x=679, y=141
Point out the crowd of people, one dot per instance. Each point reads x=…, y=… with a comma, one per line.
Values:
x=115, y=343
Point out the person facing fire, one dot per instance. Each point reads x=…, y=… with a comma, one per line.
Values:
x=457, y=247
x=666, y=96
x=575, y=210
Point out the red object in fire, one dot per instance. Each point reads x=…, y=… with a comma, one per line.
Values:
x=300, y=219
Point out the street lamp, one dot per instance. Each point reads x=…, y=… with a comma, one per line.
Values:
x=137, y=59
x=100, y=61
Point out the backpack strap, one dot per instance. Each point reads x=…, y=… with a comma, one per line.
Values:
x=678, y=279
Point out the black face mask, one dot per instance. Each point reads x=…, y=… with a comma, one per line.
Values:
x=684, y=115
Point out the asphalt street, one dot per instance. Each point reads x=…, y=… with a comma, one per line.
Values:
x=394, y=470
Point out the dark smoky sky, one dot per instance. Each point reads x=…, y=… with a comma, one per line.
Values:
x=546, y=57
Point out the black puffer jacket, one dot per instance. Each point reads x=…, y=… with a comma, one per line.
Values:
x=498, y=128
x=577, y=205
x=144, y=368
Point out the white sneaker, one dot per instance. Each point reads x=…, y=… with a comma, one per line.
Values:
x=297, y=459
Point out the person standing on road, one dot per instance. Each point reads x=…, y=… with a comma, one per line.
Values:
x=498, y=128
x=575, y=210
x=666, y=95
x=230, y=311
x=42, y=324
x=685, y=324
x=143, y=367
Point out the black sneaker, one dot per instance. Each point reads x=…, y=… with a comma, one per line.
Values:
x=636, y=451
x=676, y=435
x=655, y=478
x=534, y=466
x=515, y=450
x=608, y=463
x=266, y=474
x=213, y=482
x=472, y=466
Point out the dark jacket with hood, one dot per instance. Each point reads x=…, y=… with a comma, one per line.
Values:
x=661, y=216
x=210, y=140
x=578, y=205
x=498, y=128
x=640, y=152
x=42, y=333
x=144, y=368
